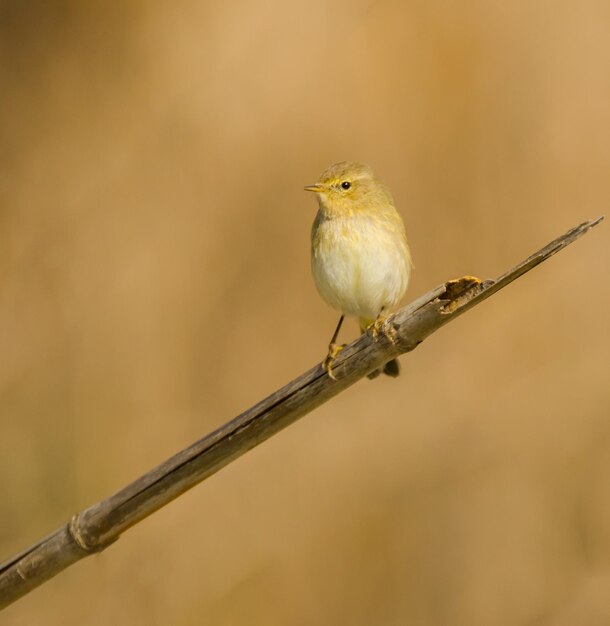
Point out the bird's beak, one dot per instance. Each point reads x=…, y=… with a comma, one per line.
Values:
x=315, y=188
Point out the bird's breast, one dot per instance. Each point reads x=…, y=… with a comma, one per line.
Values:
x=360, y=263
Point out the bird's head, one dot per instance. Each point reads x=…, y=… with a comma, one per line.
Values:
x=347, y=187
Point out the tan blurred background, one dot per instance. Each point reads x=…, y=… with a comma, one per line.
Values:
x=154, y=282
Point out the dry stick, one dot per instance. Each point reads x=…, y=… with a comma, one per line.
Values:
x=95, y=528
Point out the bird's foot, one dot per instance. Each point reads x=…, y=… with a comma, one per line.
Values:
x=380, y=327
x=376, y=327
x=333, y=351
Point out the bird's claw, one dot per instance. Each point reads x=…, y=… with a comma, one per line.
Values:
x=327, y=364
x=376, y=327
x=379, y=327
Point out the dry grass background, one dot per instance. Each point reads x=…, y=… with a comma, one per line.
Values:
x=154, y=281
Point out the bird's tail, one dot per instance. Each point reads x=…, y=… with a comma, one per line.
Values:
x=391, y=368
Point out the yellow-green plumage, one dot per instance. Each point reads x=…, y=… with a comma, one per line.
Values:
x=360, y=258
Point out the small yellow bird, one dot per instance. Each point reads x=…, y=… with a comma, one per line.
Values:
x=360, y=257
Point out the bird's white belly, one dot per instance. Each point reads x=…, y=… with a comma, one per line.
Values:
x=360, y=267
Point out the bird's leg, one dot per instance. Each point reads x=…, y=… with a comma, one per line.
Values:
x=376, y=326
x=333, y=350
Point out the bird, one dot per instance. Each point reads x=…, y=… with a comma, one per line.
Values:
x=360, y=257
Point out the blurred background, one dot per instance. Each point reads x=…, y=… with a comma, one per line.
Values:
x=154, y=282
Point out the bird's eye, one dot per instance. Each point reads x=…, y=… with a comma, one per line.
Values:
x=346, y=184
